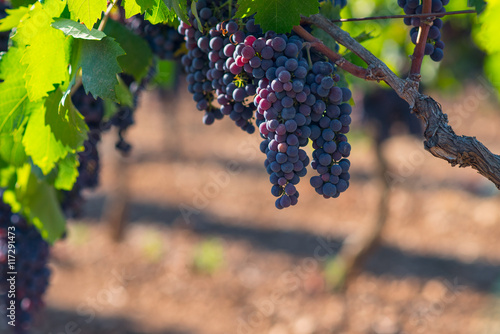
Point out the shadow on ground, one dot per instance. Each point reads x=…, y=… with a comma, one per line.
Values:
x=58, y=321
x=386, y=260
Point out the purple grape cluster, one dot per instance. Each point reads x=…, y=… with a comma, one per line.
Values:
x=434, y=46
x=124, y=116
x=197, y=64
x=93, y=111
x=232, y=64
x=234, y=83
x=282, y=98
x=215, y=88
x=31, y=257
x=164, y=40
x=331, y=118
x=88, y=171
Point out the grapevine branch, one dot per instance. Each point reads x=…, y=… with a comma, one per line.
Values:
x=440, y=139
x=385, y=17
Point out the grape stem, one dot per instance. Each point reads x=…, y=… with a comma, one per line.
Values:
x=104, y=20
x=419, y=51
x=319, y=46
x=308, y=50
x=440, y=139
x=434, y=15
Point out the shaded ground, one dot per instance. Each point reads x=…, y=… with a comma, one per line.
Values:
x=436, y=272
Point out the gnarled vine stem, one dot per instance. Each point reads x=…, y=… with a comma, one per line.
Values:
x=440, y=139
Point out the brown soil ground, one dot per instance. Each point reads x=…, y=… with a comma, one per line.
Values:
x=437, y=270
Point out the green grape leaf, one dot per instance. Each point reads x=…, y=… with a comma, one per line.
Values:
x=27, y=29
x=131, y=8
x=40, y=142
x=179, y=7
x=47, y=62
x=54, y=8
x=13, y=94
x=196, y=16
x=21, y=3
x=364, y=36
x=87, y=11
x=74, y=66
x=487, y=36
x=329, y=10
x=165, y=73
x=159, y=13
x=138, y=55
x=45, y=51
x=332, y=12
x=246, y=8
x=479, y=5
x=100, y=66
x=277, y=15
x=37, y=201
x=38, y=21
x=77, y=30
x=10, y=64
x=123, y=94
x=67, y=172
x=110, y=109
x=12, y=104
x=7, y=175
x=11, y=147
x=13, y=18
x=67, y=124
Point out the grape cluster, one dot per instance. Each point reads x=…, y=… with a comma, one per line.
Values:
x=164, y=40
x=234, y=81
x=88, y=170
x=196, y=65
x=207, y=64
x=331, y=119
x=217, y=87
x=282, y=99
x=31, y=256
x=234, y=64
x=93, y=111
x=124, y=116
x=434, y=46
